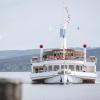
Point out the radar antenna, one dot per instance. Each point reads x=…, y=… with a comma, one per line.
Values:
x=68, y=15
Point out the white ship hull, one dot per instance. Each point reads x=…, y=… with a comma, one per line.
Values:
x=72, y=77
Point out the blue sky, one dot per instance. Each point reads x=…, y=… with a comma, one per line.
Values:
x=24, y=24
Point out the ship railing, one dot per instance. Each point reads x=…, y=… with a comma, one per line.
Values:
x=50, y=59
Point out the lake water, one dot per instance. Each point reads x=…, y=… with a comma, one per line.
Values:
x=54, y=92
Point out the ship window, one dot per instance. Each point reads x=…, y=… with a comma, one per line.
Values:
x=56, y=67
x=41, y=69
x=62, y=66
x=61, y=53
x=81, y=68
x=77, y=67
x=54, y=54
x=45, y=56
x=50, y=68
x=71, y=54
x=84, y=68
x=65, y=66
x=71, y=67
x=35, y=70
x=45, y=68
x=58, y=54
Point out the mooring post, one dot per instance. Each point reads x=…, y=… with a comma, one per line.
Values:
x=10, y=89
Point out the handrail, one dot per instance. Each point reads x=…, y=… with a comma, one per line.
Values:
x=38, y=60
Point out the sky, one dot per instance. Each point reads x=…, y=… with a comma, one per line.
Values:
x=25, y=24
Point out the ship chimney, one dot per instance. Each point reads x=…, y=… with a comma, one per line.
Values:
x=84, y=46
x=41, y=52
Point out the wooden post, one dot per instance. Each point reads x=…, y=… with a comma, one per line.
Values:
x=10, y=89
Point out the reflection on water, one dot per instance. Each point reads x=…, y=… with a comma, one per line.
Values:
x=54, y=92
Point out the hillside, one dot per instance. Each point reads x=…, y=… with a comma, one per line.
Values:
x=20, y=60
x=17, y=53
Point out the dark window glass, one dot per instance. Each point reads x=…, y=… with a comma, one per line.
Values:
x=77, y=67
x=49, y=68
x=65, y=66
x=71, y=67
x=56, y=67
x=62, y=66
x=54, y=54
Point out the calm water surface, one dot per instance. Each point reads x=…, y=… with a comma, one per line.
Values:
x=54, y=92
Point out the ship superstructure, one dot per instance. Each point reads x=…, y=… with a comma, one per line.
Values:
x=63, y=65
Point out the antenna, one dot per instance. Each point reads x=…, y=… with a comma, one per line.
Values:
x=67, y=15
x=67, y=18
x=63, y=30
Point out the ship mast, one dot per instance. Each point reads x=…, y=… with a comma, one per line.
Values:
x=63, y=31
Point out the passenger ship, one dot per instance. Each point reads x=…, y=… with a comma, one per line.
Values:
x=52, y=67
x=63, y=65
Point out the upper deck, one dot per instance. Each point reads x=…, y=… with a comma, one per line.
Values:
x=70, y=54
x=74, y=60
